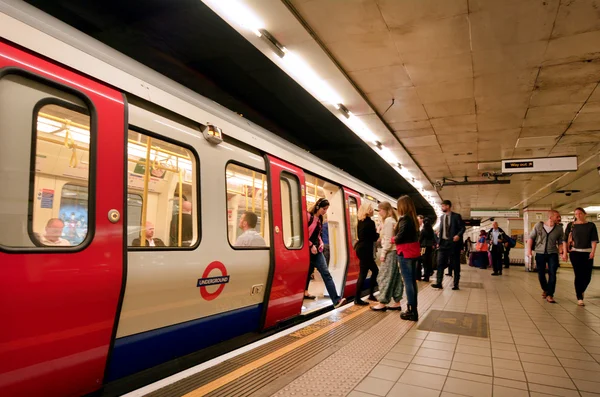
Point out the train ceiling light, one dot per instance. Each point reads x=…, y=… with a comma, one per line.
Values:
x=237, y=13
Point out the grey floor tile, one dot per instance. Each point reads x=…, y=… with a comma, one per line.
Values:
x=470, y=376
x=504, y=346
x=439, y=345
x=586, y=365
x=405, y=349
x=511, y=383
x=586, y=385
x=507, y=355
x=387, y=373
x=392, y=363
x=481, y=351
x=378, y=387
x=543, y=369
x=507, y=364
x=542, y=351
x=440, y=337
x=572, y=355
x=403, y=390
x=538, y=359
x=356, y=393
x=433, y=353
x=421, y=379
x=399, y=357
x=472, y=368
x=468, y=388
x=432, y=362
x=409, y=342
x=552, y=391
x=428, y=369
x=550, y=380
x=472, y=359
x=509, y=374
x=502, y=391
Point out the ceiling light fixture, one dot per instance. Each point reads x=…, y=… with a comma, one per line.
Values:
x=594, y=209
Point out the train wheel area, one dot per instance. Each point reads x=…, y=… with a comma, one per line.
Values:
x=483, y=340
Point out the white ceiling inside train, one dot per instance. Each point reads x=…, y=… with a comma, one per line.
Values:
x=444, y=90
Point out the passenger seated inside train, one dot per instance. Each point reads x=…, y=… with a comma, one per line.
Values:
x=250, y=237
x=52, y=236
x=187, y=229
x=150, y=240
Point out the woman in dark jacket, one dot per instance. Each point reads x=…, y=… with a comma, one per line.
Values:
x=367, y=237
x=426, y=241
x=409, y=251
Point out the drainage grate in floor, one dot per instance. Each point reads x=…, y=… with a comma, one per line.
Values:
x=466, y=324
x=471, y=285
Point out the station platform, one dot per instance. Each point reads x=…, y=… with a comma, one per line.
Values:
x=496, y=336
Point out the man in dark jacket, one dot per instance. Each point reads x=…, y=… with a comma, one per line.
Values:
x=498, y=239
x=452, y=229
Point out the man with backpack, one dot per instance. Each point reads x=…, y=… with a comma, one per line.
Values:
x=545, y=239
x=497, y=238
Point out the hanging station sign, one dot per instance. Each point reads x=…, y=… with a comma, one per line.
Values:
x=495, y=214
x=544, y=164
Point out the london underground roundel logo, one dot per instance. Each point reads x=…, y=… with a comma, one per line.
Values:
x=219, y=280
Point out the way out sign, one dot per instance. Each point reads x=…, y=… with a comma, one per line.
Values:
x=545, y=164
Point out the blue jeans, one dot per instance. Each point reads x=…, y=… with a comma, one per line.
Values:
x=318, y=262
x=408, y=268
x=552, y=260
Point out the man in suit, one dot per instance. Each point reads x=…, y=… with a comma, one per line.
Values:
x=498, y=239
x=150, y=240
x=187, y=227
x=452, y=229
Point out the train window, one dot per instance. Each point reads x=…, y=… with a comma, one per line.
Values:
x=247, y=207
x=353, y=210
x=291, y=209
x=161, y=193
x=45, y=167
x=74, y=213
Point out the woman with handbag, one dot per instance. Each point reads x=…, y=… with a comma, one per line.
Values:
x=409, y=251
x=583, y=238
x=482, y=250
x=390, y=281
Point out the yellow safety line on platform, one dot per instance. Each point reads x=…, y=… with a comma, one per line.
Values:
x=222, y=381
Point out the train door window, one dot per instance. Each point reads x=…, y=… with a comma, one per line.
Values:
x=291, y=209
x=74, y=213
x=46, y=148
x=353, y=210
x=247, y=207
x=161, y=193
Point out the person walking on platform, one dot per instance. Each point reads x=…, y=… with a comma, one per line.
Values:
x=426, y=241
x=409, y=251
x=317, y=260
x=497, y=239
x=584, y=237
x=367, y=237
x=546, y=237
x=419, y=273
x=452, y=229
x=389, y=279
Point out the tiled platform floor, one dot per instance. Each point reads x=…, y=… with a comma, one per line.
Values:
x=534, y=349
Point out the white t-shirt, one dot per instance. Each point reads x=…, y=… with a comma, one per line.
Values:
x=250, y=238
x=548, y=228
x=61, y=242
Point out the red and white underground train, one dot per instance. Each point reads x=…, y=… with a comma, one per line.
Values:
x=93, y=147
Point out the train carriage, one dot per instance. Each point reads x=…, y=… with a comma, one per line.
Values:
x=96, y=151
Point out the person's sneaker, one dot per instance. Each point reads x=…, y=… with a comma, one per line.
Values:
x=438, y=286
x=360, y=302
x=550, y=299
x=580, y=302
x=372, y=298
x=495, y=274
x=544, y=294
x=455, y=288
x=341, y=302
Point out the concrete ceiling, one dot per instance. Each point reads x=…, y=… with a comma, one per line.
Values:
x=466, y=83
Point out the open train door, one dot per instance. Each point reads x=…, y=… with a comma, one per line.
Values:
x=352, y=200
x=62, y=143
x=289, y=234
